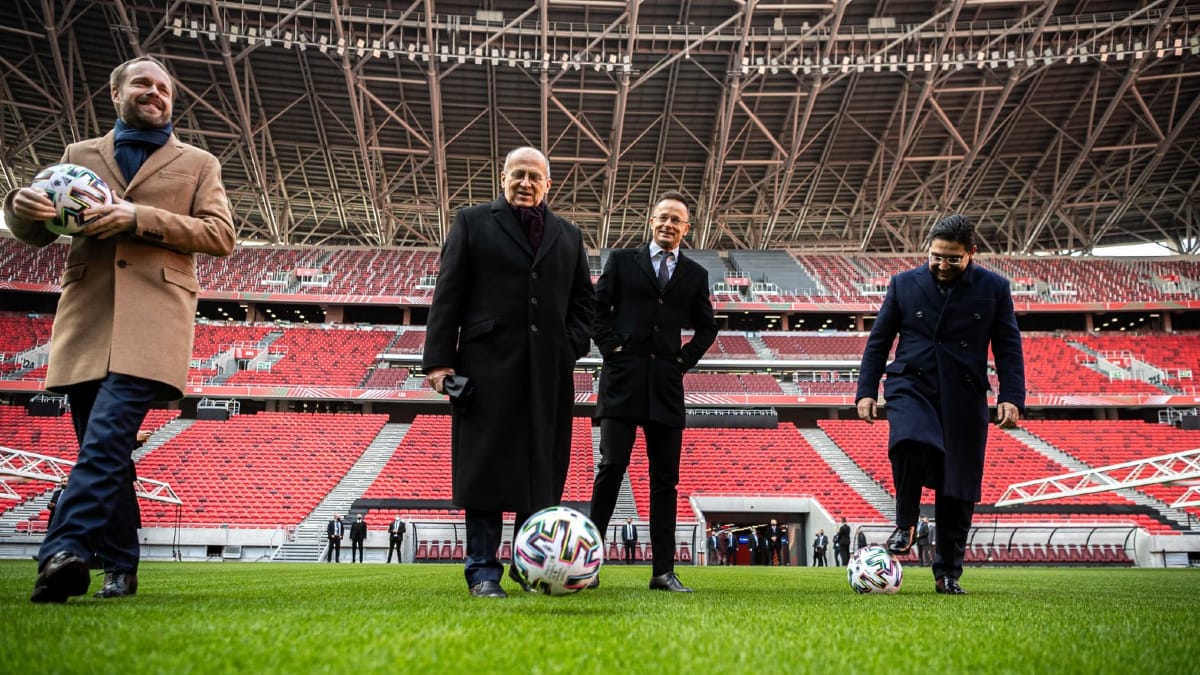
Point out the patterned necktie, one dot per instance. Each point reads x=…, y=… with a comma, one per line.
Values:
x=664, y=268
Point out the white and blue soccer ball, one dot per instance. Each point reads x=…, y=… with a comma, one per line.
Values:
x=873, y=570
x=73, y=189
x=558, y=551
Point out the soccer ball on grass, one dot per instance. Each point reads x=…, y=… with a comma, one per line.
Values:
x=873, y=570
x=558, y=551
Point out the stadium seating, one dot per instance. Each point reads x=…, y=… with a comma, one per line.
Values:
x=1103, y=442
x=263, y=470
x=1008, y=461
x=53, y=437
x=419, y=470
x=774, y=462
x=20, y=333
x=330, y=357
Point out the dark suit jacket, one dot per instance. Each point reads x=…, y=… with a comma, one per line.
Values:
x=936, y=388
x=396, y=529
x=358, y=531
x=329, y=529
x=644, y=380
x=514, y=321
x=626, y=536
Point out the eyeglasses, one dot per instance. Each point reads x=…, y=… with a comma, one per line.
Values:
x=663, y=218
x=950, y=259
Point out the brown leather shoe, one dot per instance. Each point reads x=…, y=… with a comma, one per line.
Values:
x=117, y=585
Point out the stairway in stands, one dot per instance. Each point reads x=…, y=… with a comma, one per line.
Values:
x=1173, y=517
x=309, y=539
x=851, y=472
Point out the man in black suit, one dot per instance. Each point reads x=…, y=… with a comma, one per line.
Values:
x=358, y=535
x=645, y=297
x=396, y=539
x=820, y=544
x=774, y=543
x=842, y=540
x=512, y=313
x=924, y=552
x=947, y=314
x=334, y=531
x=629, y=537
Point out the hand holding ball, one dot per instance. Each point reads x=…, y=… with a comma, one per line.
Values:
x=73, y=190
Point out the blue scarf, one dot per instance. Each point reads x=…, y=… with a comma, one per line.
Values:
x=133, y=146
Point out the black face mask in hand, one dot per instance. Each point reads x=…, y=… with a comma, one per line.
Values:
x=459, y=388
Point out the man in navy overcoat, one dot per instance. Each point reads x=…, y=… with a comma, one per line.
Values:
x=946, y=314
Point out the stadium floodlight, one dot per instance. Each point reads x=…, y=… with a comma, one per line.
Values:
x=1138, y=52
x=1030, y=57
x=377, y=49
x=626, y=64
x=361, y=44
x=194, y=28
x=597, y=62
x=1159, y=49
x=1194, y=45
x=1120, y=51
x=995, y=61
x=761, y=67
x=1047, y=56
x=341, y=46
x=212, y=32
x=807, y=65
x=462, y=54
x=1103, y=53
x=287, y=39
x=268, y=35
x=876, y=63
x=945, y=61
x=412, y=51
x=234, y=32
x=478, y=56
x=825, y=63
x=860, y=63
x=252, y=35
x=1178, y=46
x=1012, y=58
x=177, y=26
x=323, y=44
x=958, y=61
x=910, y=62
x=892, y=65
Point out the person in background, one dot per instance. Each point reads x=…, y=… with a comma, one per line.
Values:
x=358, y=535
x=396, y=532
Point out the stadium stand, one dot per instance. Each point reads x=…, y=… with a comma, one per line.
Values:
x=775, y=462
x=19, y=333
x=263, y=470
x=1100, y=443
x=331, y=357
x=53, y=437
x=1008, y=461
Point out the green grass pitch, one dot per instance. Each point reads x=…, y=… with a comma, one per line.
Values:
x=321, y=618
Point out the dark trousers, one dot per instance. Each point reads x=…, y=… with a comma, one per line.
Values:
x=914, y=466
x=356, y=547
x=97, y=513
x=662, y=450
x=630, y=547
x=395, y=544
x=484, y=530
x=334, y=554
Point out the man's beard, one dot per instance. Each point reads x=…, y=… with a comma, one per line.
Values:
x=132, y=115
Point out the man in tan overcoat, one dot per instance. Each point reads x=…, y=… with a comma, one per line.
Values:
x=126, y=317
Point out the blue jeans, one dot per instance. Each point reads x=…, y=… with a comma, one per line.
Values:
x=98, y=513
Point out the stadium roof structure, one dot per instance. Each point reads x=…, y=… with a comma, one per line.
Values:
x=819, y=126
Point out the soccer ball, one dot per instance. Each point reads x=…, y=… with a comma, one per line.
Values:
x=873, y=570
x=558, y=551
x=73, y=189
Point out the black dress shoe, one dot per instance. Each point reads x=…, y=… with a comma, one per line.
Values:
x=901, y=540
x=949, y=586
x=65, y=574
x=117, y=585
x=516, y=576
x=668, y=582
x=488, y=589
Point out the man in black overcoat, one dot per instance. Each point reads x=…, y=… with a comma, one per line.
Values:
x=511, y=312
x=946, y=314
x=644, y=299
